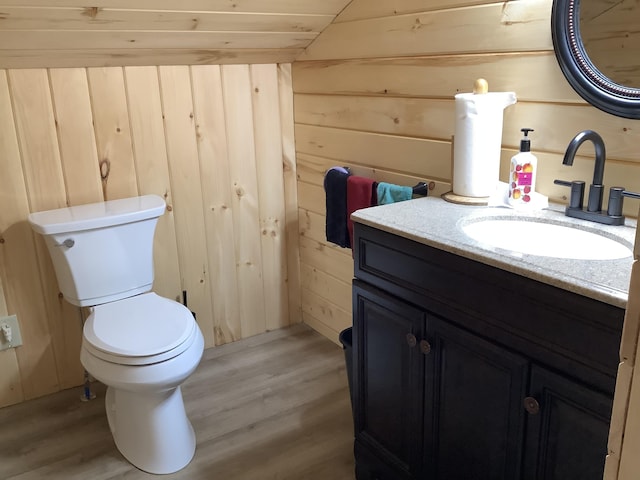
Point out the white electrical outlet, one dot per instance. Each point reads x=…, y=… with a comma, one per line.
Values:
x=16, y=338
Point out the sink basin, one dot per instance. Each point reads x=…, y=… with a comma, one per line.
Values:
x=532, y=236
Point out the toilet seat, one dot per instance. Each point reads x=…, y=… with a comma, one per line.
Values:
x=140, y=330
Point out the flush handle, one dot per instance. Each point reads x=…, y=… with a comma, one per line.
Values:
x=69, y=242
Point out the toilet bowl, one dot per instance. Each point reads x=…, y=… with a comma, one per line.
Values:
x=143, y=348
x=140, y=345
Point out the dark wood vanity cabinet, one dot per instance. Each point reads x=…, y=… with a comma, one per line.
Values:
x=465, y=371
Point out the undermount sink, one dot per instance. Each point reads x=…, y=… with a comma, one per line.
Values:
x=532, y=236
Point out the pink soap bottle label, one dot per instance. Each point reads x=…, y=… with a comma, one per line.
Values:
x=525, y=178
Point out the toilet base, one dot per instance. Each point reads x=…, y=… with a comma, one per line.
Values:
x=151, y=431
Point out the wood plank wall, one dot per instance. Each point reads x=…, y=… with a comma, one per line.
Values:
x=215, y=141
x=375, y=91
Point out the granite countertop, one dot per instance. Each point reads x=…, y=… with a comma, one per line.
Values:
x=437, y=223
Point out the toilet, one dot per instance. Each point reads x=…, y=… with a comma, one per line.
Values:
x=140, y=345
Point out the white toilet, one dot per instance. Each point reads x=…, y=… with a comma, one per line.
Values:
x=142, y=346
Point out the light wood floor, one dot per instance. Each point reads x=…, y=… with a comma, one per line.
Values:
x=274, y=406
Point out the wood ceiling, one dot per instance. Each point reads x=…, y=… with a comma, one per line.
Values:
x=66, y=33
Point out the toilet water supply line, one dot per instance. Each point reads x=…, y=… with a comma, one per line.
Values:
x=87, y=394
x=184, y=302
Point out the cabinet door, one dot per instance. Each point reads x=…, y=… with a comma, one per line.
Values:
x=388, y=378
x=567, y=429
x=474, y=420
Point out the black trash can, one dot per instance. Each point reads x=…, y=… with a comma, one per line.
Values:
x=346, y=339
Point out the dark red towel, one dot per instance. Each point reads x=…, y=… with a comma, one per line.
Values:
x=361, y=193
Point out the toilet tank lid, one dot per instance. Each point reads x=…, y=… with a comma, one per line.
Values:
x=97, y=215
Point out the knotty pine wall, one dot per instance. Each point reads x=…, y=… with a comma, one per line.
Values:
x=375, y=91
x=215, y=141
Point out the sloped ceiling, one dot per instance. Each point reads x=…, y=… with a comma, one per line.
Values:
x=66, y=33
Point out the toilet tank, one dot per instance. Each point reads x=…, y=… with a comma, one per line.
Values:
x=102, y=252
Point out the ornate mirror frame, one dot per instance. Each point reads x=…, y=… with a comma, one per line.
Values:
x=580, y=72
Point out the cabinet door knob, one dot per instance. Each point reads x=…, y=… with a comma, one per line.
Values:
x=411, y=340
x=425, y=347
x=531, y=405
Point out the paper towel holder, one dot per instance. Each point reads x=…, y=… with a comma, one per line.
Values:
x=476, y=144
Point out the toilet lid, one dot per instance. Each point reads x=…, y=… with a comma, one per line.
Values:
x=142, y=326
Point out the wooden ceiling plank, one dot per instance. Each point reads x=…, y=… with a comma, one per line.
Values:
x=324, y=7
x=492, y=28
x=71, y=40
x=142, y=57
x=89, y=18
x=366, y=9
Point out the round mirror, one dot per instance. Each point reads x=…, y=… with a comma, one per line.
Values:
x=611, y=39
x=596, y=45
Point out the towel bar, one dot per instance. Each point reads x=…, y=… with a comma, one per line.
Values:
x=421, y=188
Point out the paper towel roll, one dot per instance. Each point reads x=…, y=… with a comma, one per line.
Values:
x=477, y=142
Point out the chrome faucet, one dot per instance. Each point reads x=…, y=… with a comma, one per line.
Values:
x=593, y=212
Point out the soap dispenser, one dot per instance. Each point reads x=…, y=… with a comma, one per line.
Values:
x=522, y=172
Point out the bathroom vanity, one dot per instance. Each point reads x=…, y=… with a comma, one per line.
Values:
x=475, y=362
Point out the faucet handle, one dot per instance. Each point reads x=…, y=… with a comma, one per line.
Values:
x=630, y=194
x=564, y=183
x=616, y=196
x=614, y=207
x=577, y=192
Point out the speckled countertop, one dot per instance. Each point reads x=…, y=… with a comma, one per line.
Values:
x=437, y=223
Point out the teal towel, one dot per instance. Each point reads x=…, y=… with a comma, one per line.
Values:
x=389, y=193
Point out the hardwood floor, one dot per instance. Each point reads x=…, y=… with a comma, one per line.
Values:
x=273, y=406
